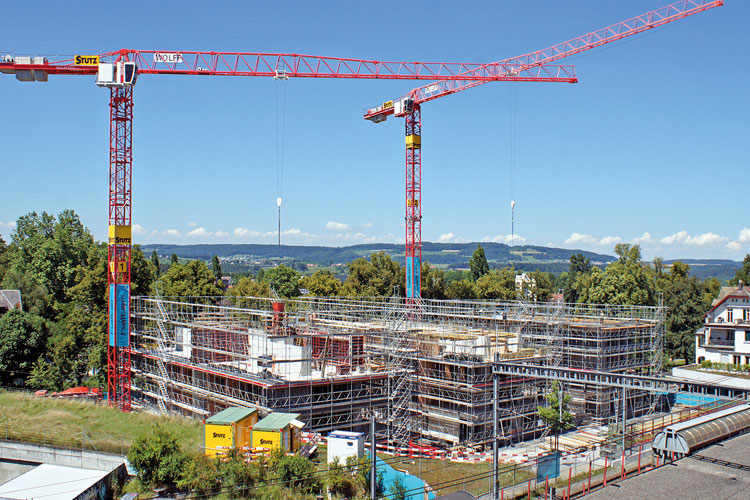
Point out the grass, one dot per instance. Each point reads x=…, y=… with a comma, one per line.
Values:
x=70, y=423
x=452, y=474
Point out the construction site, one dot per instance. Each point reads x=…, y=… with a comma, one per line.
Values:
x=424, y=371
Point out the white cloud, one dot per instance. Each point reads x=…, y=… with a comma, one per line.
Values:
x=705, y=239
x=172, y=232
x=576, y=238
x=192, y=224
x=367, y=225
x=221, y=234
x=610, y=240
x=9, y=226
x=505, y=238
x=744, y=237
x=451, y=238
x=200, y=232
x=138, y=229
x=734, y=246
x=587, y=239
x=646, y=238
x=337, y=226
x=243, y=232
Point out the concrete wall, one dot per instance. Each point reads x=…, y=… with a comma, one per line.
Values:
x=11, y=470
x=38, y=454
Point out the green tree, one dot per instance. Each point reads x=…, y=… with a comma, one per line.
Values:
x=236, y=472
x=578, y=265
x=683, y=298
x=284, y=280
x=157, y=457
x=192, y=279
x=378, y=277
x=461, y=290
x=711, y=289
x=248, y=287
x=216, y=267
x=478, y=263
x=432, y=282
x=41, y=376
x=142, y=273
x=297, y=472
x=497, y=284
x=321, y=283
x=50, y=249
x=743, y=273
x=201, y=476
x=397, y=491
x=22, y=340
x=625, y=281
x=4, y=258
x=553, y=419
x=542, y=287
x=155, y=263
x=340, y=481
x=34, y=295
x=174, y=259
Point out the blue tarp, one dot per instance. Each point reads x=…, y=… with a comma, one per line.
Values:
x=414, y=485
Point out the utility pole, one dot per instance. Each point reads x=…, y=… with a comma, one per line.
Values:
x=373, y=465
x=495, y=451
x=624, y=415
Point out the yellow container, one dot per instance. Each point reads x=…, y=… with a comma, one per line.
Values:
x=230, y=428
x=278, y=430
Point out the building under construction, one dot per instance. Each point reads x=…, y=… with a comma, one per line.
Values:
x=425, y=371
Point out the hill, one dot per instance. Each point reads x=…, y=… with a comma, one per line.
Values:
x=444, y=255
x=251, y=257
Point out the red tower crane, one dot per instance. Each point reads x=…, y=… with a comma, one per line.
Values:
x=119, y=71
x=409, y=106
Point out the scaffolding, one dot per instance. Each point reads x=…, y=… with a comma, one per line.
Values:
x=427, y=372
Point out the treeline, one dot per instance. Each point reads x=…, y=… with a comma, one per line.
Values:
x=60, y=338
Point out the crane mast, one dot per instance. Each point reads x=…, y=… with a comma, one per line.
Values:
x=119, y=244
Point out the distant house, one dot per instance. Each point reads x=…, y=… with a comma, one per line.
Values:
x=725, y=335
x=10, y=299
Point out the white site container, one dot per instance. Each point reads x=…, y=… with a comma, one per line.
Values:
x=344, y=444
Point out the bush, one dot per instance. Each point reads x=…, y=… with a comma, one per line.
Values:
x=158, y=458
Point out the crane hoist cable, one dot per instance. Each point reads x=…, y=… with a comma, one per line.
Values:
x=512, y=153
x=280, y=79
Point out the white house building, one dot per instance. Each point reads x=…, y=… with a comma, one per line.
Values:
x=725, y=335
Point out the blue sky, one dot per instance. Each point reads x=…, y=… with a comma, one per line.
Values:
x=650, y=147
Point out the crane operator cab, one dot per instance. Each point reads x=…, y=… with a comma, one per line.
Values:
x=119, y=74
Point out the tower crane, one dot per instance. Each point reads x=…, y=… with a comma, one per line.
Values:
x=409, y=107
x=119, y=71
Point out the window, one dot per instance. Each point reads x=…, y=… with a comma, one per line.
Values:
x=729, y=315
